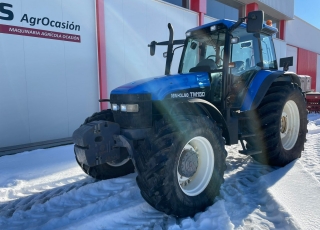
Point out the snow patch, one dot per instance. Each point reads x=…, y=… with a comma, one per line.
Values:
x=298, y=192
x=46, y=189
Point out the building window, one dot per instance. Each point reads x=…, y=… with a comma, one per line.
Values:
x=219, y=10
x=182, y=3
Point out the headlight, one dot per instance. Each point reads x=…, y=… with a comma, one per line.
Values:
x=115, y=107
x=130, y=108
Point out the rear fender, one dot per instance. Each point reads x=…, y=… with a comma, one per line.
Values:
x=261, y=84
x=293, y=76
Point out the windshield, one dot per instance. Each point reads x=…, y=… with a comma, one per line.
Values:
x=204, y=50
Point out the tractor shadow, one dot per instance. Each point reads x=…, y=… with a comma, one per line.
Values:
x=246, y=195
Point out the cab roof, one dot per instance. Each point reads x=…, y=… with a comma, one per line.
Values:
x=228, y=23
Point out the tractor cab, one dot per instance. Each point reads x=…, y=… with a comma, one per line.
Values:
x=231, y=56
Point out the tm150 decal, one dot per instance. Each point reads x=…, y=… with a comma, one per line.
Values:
x=191, y=94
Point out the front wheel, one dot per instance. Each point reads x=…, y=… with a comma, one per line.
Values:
x=181, y=165
x=280, y=125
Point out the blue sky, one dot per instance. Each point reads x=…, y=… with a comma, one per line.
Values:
x=308, y=10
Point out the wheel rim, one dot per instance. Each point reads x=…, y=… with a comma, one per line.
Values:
x=197, y=183
x=289, y=125
x=118, y=164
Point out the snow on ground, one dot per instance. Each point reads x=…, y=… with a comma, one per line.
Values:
x=304, y=190
x=46, y=189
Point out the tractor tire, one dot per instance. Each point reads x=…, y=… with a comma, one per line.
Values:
x=181, y=165
x=280, y=124
x=108, y=170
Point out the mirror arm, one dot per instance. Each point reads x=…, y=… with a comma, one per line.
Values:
x=286, y=66
x=165, y=43
x=177, y=48
x=237, y=24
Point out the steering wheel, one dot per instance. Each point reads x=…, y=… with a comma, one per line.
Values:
x=216, y=61
x=212, y=55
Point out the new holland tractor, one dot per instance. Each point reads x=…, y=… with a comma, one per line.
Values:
x=172, y=130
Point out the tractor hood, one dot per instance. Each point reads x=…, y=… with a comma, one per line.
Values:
x=161, y=86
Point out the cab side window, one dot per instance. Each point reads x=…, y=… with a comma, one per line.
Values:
x=268, y=54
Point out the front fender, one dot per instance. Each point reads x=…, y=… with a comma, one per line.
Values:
x=213, y=112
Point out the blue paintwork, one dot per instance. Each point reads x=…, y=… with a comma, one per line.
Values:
x=254, y=87
x=228, y=24
x=161, y=86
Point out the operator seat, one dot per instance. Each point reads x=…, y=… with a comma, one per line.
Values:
x=206, y=65
x=208, y=62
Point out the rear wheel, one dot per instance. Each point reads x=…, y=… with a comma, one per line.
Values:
x=108, y=170
x=181, y=165
x=281, y=124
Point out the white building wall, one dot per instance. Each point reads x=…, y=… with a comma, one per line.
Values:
x=128, y=33
x=285, y=7
x=47, y=86
x=208, y=19
x=293, y=52
x=301, y=34
x=280, y=9
x=281, y=49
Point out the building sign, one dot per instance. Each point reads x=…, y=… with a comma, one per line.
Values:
x=6, y=29
x=7, y=14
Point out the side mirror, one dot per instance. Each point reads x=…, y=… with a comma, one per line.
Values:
x=255, y=21
x=286, y=62
x=152, y=47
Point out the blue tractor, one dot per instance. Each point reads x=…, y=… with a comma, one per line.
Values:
x=172, y=130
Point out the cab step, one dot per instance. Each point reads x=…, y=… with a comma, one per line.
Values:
x=250, y=152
